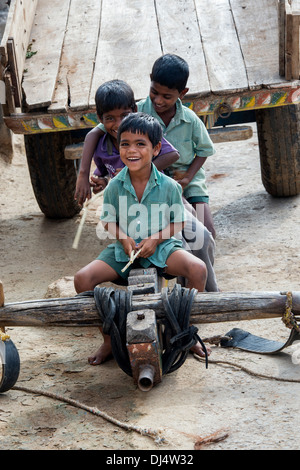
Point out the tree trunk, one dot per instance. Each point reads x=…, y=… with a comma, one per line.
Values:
x=206, y=308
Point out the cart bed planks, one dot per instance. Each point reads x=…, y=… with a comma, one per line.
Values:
x=206, y=308
x=81, y=45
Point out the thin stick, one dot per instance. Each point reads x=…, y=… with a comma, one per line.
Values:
x=156, y=435
x=132, y=258
x=85, y=209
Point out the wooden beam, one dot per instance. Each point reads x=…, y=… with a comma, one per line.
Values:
x=47, y=36
x=282, y=29
x=13, y=70
x=230, y=133
x=292, y=47
x=18, y=26
x=206, y=308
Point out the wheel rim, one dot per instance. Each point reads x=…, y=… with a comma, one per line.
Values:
x=10, y=365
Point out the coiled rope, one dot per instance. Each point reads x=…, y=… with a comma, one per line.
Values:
x=178, y=335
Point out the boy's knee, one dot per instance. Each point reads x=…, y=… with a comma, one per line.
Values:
x=198, y=269
x=79, y=281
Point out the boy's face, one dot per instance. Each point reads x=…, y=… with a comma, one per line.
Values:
x=164, y=98
x=136, y=151
x=112, y=120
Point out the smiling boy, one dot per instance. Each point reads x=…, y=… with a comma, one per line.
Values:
x=144, y=189
x=183, y=129
x=114, y=101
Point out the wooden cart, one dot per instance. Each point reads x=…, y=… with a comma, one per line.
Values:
x=243, y=55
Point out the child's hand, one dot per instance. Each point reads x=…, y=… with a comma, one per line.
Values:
x=128, y=245
x=148, y=247
x=83, y=189
x=184, y=182
x=181, y=178
x=98, y=183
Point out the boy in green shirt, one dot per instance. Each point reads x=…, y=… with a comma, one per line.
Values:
x=183, y=129
x=140, y=189
x=114, y=100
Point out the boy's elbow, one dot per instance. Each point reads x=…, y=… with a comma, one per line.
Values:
x=173, y=157
x=176, y=156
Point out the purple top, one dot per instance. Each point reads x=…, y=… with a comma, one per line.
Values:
x=107, y=157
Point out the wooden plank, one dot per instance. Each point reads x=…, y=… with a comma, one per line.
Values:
x=18, y=26
x=292, y=47
x=281, y=26
x=128, y=45
x=46, y=37
x=13, y=70
x=207, y=307
x=78, y=56
x=257, y=27
x=179, y=32
x=230, y=133
x=224, y=60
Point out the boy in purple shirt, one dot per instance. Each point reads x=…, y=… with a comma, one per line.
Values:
x=114, y=101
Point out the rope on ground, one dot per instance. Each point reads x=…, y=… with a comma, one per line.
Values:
x=128, y=427
x=248, y=371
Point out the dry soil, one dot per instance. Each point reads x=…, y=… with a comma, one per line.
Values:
x=258, y=249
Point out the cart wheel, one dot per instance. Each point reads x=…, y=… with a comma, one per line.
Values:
x=278, y=131
x=53, y=177
x=10, y=362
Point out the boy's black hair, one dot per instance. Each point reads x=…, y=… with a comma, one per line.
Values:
x=171, y=71
x=141, y=123
x=114, y=94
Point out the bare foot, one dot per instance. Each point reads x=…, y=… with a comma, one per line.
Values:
x=101, y=355
x=197, y=349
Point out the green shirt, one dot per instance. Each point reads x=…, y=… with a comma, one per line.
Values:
x=188, y=134
x=161, y=204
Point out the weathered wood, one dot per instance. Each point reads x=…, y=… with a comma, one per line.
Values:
x=257, y=26
x=230, y=134
x=18, y=26
x=128, y=45
x=13, y=70
x=182, y=37
x=47, y=37
x=230, y=45
x=206, y=308
x=221, y=45
x=73, y=151
x=78, y=55
x=292, y=46
x=281, y=26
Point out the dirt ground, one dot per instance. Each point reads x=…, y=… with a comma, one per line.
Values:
x=258, y=249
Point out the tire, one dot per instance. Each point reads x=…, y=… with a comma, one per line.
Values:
x=279, y=145
x=53, y=178
x=9, y=357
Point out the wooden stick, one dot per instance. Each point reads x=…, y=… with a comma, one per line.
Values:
x=208, y=307
x=83, y=217
x=132, y=258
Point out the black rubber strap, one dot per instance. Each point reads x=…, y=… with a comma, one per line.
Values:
x=247, y=342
